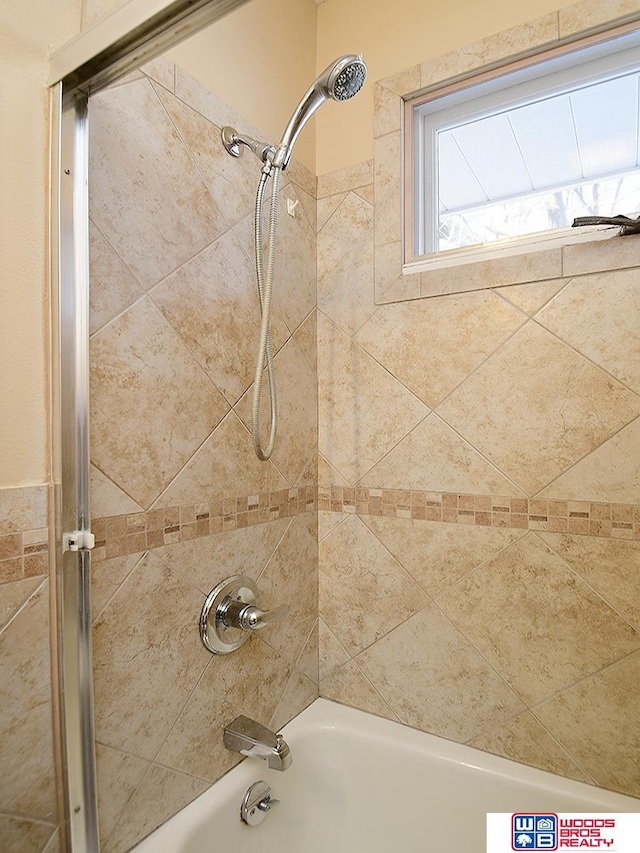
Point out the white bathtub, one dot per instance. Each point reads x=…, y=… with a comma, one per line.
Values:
x=360, y=784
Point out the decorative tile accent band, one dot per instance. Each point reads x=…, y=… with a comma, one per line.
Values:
x=129, y=534
x=609, y=520
x=24, y=554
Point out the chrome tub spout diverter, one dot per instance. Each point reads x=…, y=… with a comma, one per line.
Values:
x=247, y=737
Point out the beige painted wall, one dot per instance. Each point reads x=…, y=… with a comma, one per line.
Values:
x=394, y=36
x=27, y=30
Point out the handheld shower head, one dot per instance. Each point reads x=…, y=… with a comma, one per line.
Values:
x=340, y=81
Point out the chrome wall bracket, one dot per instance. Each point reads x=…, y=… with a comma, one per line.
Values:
x=231, y=613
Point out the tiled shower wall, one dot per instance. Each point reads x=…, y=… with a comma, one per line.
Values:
x=479, y=491
x=179, y=500
x=28, y=809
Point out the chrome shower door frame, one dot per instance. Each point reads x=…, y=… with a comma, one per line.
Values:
x=114, y=46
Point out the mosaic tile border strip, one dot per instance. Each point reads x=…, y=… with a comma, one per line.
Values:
x=608, y=520
x=24, y=554
x=119, y=535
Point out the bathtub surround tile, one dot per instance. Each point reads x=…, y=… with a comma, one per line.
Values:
x=596, y=721
x=531, y=297
x=137, y=361
x=54, y=845
x=435, y=680
x=613, y=253
x=433, y=457
x=232, y=181
x=26, y=737
x=223, y=340
x=438, y=555
x=525, y=374
x=387, y=179
x=331, y=653
x=23, y=508
x=356, y=573
x=119, y=774
x=611, y=567
x=348, y=685
x=345, y=254
x=535, y=621
x=308, y=662
x=20, y=835
x=13, y=595
x=326, y=207
x=107, y=498
x=106, y=578
x=112, y=286
x=345, y=179
x=300, y=692
x=364, y=410
x=588, y=14
x=162, y=70
x=162, y=793
x=327, y=521
x=291, y=577
x=146, y=198
x=250, y=681
x=596, y=314
x=224, y=465
x=146, y=658
x=610, y=473
x=296, y=370
x=524, y=740
x=432, y=345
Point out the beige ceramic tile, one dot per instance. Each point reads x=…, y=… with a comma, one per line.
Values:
x=614, y=253
x=162, y=70
x=357, y=573
x=208, y=560
x=106, y=577
x=435, y=680
x=365, y=193
x=327, y=521
x=591, y=13
x=535, y=407
x=597, y=722
x=308, y=661
x=291, y=577
x=112, y=288
x=308, y=205
x=26, y=737
x=363, y=411
x=326, y=208
x=250, y=681
x=597, y=315
x=523, y=739
x=388, y=270
x=327, y=475
x=433, y=344
x=302, y=177
x=147, y=658
x=225, y=465
x=23, y=508
x=404, y=82
x=532, y=296
x=232, y=181
x=107, y=498
x=387, y=111
x=438, y=555
x=610, y=566
x=435, y=458
x=196, y=95
x=345, y=179
x=118, y=775
x=509, y=43
x=13, y=595
x=54, y=845
x=514, y=269
x=345, y=265
x=212, y=303
x=296, y=388
x=300, y=692
x=146, y=387
x=146, y=196
x=309, y=474
x=20, y=835
x=331, y=653
x=162, y=794
x=535, y=621
x=388, y=162
x=610, y=473
x=349, y=686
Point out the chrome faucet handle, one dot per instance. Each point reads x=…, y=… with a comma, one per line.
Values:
x=251, y=618
x=232, y=612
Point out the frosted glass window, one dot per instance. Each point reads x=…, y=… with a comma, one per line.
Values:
x=530, y=150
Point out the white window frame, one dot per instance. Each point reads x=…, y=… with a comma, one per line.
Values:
x=553, y=238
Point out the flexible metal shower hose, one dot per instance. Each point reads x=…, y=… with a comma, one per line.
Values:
x=265, y=289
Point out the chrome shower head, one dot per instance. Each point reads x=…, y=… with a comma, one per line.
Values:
x=340, y=81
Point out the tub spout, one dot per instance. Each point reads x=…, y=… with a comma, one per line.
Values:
x=247, y=737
